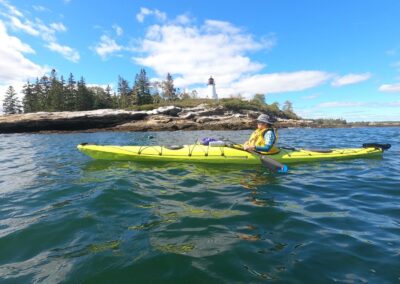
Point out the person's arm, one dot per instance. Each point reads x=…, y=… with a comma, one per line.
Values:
x=269, y=138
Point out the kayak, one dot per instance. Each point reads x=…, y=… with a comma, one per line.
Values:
x=233, y=154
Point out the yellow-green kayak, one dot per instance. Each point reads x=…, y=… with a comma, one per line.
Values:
x=222, y=155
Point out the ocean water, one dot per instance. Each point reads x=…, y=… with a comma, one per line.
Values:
x=65, y=218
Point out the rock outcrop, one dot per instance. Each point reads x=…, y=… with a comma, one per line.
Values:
x=201, y=117
x=67, y=121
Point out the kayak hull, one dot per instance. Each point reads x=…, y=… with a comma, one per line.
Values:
x=218, y=155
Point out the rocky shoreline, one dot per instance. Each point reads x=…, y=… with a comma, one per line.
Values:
x=168, y=118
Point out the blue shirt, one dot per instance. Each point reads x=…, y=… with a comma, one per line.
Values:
x=269, y=137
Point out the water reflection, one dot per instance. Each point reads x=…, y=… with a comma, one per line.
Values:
x=250, y=177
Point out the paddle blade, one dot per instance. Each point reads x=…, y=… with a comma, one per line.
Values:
x=283, y=170
x=273, y=165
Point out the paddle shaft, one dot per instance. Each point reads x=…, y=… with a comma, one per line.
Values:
x=269, y=163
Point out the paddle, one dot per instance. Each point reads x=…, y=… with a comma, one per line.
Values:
x=269, y=163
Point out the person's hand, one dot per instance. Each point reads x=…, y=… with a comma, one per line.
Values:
x=247, y=147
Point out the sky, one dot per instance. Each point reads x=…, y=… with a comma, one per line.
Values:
x=331, y=59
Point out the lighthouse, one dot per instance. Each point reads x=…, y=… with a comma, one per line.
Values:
x=212, y=94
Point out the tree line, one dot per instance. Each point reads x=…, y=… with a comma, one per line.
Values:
x=53, y=93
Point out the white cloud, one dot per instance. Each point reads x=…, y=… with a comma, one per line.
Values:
x=214, y=26
x=106, y=46
x=281, y=82
x=59, y=27
x=394, y=104
x=39, y=29
x=350, y=79
x=40, y=8
x=118, y=30
x=26, y=27
x=193, y=53
x=311, y=97
x=340, y=104
x=218, y=48
x=14, y=66
x=144, y=12
x=11, y=9
x=390, y=88
x=268, y=84
x=66, y=51
x=352, y=111
x=182, y=20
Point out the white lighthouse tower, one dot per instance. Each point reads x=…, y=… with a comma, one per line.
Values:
x=212, y=94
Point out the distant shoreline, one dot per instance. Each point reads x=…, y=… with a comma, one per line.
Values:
x=168, y=118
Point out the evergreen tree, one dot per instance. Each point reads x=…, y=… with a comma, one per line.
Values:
x=287, y=106
x=111, y=98
x=102, y=98
x=56, y=93
x=84, y=98
x=115, y=100
x=30, y=100
x=274, y=107
x=70, y=94
x=141, y=89
x=11, y=103
x=38, y=95
x=44, y=99
x=124, y=92
x=168, y=90
x=288, y=110
x=259, y=99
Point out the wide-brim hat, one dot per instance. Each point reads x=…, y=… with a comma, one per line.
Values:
x=263, y=118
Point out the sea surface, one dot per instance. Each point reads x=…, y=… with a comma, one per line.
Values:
x=65, y=218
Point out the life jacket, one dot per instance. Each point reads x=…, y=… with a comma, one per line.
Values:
x=257, y=139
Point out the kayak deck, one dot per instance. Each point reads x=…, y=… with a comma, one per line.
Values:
x=218, y=155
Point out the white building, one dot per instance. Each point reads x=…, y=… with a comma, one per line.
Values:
x=211, y=94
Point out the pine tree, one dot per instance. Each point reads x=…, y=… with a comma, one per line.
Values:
x=56, y=93
x=30, y=101
x=168, y=90
x=102, y=98
x=288, y=110
x=11, y=103
x=70, y=94
x=84, y=98
x=108, y=97
x=124, y=92
x=259, y=99
x=45, y=100
x=38, y=95
x=141, y=89
x=287, y=106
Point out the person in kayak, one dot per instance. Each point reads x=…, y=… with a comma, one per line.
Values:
x=264, y=138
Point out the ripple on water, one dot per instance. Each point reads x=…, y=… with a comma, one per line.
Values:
x=67, y=218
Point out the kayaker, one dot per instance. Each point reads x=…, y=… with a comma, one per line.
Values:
x=264, y=138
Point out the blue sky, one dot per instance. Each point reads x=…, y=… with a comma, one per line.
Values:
x=332, y=59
